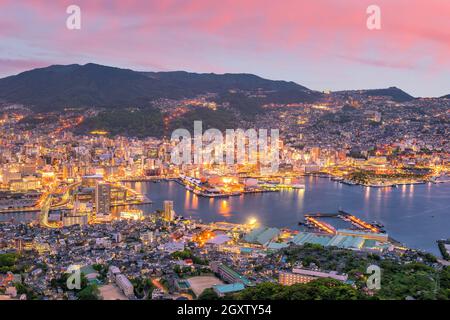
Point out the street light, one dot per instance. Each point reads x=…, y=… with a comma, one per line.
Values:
x=252, y=221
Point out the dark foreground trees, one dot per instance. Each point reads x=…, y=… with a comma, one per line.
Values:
x=320, y=289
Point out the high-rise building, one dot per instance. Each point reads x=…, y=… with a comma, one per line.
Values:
x=117, y=237
x=19, y=244
x=102, y=198
x=169, y=213
x=315, y=154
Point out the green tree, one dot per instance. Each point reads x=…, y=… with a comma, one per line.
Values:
x=90, y=292
x=8, y=262
x=320, y=289
x=208, y=294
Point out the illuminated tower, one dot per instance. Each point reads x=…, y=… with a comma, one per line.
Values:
x=102, y=199
x=169, y=213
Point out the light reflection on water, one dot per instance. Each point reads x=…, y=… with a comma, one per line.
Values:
x=416, y=215
x=224, y=209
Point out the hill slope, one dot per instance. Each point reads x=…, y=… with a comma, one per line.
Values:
x=394, y=93
x=59, y=86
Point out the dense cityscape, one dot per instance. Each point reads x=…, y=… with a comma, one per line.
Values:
x=224, y=158
x=78, y=209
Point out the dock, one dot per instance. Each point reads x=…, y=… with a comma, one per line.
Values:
x=321, y=225
x=312, y=219
x=360, y=223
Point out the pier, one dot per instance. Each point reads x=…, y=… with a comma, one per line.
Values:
x=324, y=215
x=320, y=225
x=312, y=219
x=360, y=223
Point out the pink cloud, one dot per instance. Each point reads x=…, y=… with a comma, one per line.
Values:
x=12, y=65
x=169, y=34
x=380, y=63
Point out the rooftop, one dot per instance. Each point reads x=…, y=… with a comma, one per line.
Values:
x=228, y=288
x=262, y=235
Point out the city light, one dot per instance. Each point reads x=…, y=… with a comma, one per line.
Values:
x=122, y=179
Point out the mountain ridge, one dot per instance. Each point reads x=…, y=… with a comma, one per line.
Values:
x=74, y=85
x=93, y=85
x=395, y=93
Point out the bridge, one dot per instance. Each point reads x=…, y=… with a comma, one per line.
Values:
x=44, y=206
x=43, y=218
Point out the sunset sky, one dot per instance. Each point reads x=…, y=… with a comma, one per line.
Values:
x=322, y=44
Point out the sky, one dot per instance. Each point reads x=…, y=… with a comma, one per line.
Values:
x=321, y=44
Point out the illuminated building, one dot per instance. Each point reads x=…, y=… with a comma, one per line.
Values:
x=304, y=276
x=91, y=181
x=169, y=213
x=131, y=215
x=203, y=237
x=310, y=168
x=25, y=184
x=102, y=198
x=147, y=237
x=315, y=154
x=18, y=243
x=289, y=278
x=79, y=219
x=8, y=176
